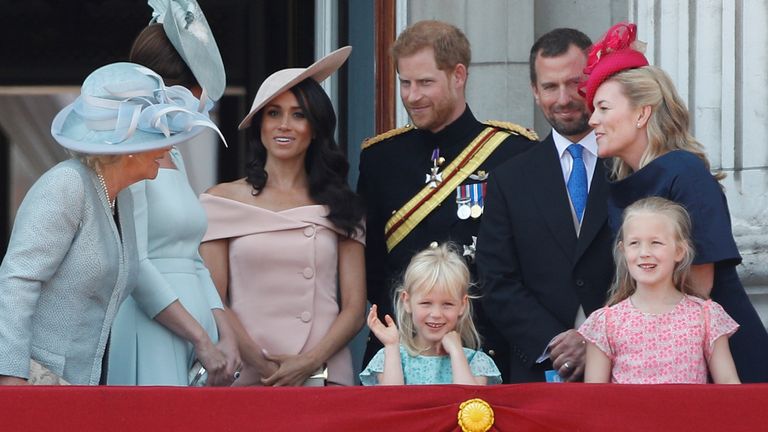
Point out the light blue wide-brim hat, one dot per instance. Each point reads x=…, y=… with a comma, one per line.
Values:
x=188, y=30
x=284, y=79
x=125, y=108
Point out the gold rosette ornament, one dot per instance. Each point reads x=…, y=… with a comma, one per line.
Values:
x=475, y=415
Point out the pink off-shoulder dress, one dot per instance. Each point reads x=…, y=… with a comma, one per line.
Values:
x=667, y=348
x=283, y=269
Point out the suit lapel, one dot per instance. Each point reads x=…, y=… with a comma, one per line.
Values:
x=597, y=209
x=550, y=194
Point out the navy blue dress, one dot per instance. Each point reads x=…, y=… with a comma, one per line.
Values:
x=682, y=177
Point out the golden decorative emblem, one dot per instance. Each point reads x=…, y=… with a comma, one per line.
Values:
x=475, y=415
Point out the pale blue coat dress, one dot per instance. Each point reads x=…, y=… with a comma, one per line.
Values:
x=66, y=271
x=169, y=226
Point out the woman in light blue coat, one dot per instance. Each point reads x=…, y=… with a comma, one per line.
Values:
x=175, y=315
x=72, y=255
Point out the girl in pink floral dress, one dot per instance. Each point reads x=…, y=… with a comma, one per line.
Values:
x=653, y=331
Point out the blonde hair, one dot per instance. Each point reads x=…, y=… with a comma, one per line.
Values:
x=669, y=121
x=440, y=268
x=624, y=285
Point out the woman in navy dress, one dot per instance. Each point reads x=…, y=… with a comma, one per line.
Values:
x=640, y=120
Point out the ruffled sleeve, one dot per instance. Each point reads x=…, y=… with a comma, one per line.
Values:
x=595, y=330
x=718, y=323
x=482, y=365
x=370, y=375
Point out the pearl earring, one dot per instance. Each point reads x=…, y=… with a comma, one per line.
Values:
x=638, y=125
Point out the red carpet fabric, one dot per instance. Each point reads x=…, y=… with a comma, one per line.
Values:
x=527, y=407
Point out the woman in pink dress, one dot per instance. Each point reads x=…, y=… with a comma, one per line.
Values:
x=284, y=245
x=653, y=331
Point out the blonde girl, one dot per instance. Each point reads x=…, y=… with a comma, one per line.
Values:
x=437, y=342
x=653, y=329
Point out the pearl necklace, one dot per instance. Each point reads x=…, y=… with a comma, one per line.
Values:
x=106, y=191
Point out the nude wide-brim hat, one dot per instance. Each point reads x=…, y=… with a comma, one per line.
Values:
x=284, y=79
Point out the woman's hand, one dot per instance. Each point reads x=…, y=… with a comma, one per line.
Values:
x=212, y=359
x=292, y=370
x=12, y=380
x=387, y=334
x=228, y=345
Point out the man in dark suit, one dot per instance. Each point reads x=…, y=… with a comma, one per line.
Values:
x=544, y=249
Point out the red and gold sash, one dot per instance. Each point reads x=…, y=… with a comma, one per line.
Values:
x=404, y=220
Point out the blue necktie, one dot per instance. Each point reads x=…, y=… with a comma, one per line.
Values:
x=577, y=182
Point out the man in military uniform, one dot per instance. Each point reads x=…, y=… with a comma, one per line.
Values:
x=426, y=183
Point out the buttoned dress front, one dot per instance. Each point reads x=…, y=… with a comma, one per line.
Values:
x=283, y=272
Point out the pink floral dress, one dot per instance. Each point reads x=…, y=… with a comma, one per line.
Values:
x=667, y=348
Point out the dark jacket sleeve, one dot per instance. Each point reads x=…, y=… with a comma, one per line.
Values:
x=512, y=307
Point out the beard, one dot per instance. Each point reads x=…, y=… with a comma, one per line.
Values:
x=576, y=126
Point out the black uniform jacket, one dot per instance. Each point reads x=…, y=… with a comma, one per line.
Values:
x=391, y=173
x=535, y=271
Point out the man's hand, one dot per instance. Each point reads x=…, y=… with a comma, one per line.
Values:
x=568, y=354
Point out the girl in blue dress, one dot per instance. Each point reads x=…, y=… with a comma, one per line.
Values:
x=641, y=121
x=437, y=342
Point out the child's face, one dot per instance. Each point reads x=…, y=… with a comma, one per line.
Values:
x=434, y=314
x=651, y=249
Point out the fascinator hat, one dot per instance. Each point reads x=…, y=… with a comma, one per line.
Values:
x=284, y=79
x=618, y=50
x=188, y=30
x=126, y=108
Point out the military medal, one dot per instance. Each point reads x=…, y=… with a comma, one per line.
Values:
x=435, y=177
x=477, y=208
x=480, y=176
x=469, y=250
x=462, y=200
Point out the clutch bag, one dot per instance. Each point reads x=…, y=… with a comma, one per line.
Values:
x=318, y=379
x=197, y=376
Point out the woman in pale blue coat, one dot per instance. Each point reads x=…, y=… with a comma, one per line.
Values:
x=72, y=255
x=175, y=315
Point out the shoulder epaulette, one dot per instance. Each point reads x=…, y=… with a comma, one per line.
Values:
x=515, y=128
x=388, y=134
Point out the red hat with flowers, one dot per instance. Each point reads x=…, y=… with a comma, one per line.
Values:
x=618, y=50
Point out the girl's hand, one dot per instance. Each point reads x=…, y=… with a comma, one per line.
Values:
x=452, y=343
x=292, y=370
x=387, y=334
